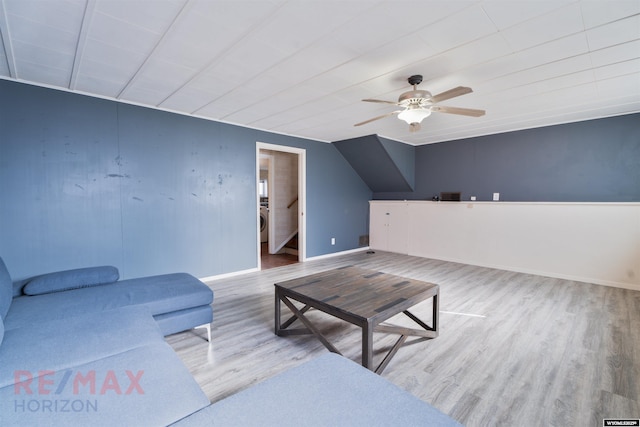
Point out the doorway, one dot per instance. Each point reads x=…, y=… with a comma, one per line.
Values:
x=281, y=195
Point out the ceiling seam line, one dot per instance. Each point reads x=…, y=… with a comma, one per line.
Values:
x=81, y=42
x=214, y=60
x=588, y=54
x=142, y=66
x=6, y=41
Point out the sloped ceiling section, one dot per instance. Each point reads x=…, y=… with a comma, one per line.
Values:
x=384, y=165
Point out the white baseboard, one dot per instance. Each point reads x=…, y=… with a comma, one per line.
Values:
x=582, y=279
x=227, y=275
x=334, y=254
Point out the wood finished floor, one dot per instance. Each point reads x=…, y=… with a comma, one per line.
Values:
x=514, y=349
x=268, y=260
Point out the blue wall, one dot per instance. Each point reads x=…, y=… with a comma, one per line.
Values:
x=591, y=161
x=384, y=165
x=86, y=181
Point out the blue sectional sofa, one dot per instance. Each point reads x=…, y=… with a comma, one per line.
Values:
x=82, y=348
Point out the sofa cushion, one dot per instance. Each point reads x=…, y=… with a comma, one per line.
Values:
x=148, y=385
x=71, y=279
x=158, y=294
x=328, y=391
x=61, y=344
x=6, y=289
x=17, y=287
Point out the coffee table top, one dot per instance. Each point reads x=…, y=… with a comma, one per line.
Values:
x=358, y=293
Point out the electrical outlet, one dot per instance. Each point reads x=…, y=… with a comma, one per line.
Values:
x=496, y=197
x=333, y=241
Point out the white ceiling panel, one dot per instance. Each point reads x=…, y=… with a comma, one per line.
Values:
x=614, y=33
x=188, y=99
x=57, y=14
x=191, y=38
x=598, y=12
x=507, y=13
x=631, y=67
x=620, y=86
x=59, y=37
x=467, y=56
x=463, y=27
x=152, y=15
x=386, y=21
x=120, y=34
x=541, y=73
x=153, y=80
x=104, y=87
x=556, y=50
x=4, y=66
x=44, y=74
x=618, y=53
x=103, y=62
x=302, y=67
x=37, y=54
x=543, y=29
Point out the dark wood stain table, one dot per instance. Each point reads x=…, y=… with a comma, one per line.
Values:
x=365, y=298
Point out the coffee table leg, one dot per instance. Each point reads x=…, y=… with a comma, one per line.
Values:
x=277, y=313
x=436, y=314
x=367, y=346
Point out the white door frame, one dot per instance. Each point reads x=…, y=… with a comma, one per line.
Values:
x=302, y=195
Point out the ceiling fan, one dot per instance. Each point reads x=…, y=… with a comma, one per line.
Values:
x=419, y=104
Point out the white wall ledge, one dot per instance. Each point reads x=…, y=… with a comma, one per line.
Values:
x=589, y=242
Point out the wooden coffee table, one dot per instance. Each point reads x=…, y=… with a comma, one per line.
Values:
x=362, y=297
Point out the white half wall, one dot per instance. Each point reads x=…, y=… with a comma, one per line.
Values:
x=589, y=242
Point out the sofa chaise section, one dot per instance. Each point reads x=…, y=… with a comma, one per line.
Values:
x=178, y=301
x=327, y=391
x=144, y=386
x=63, y=343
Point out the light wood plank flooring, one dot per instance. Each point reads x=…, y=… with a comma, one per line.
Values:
x=514, y=349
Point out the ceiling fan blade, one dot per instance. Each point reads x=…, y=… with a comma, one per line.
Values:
x=451, y=93
x=456, y=110
x=381, y=101
x=377, y=118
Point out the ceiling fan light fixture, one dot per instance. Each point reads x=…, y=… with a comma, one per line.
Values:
x=418, y=104
x=414, y=115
